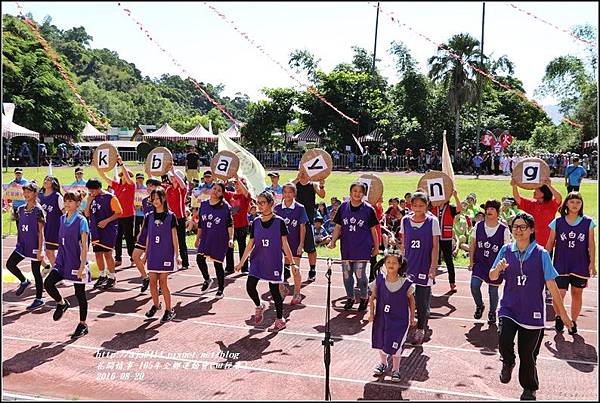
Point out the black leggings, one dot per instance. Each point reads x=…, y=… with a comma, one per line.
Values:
x=50, y=285
x=201, y=260
x=125, y=230
x=14, y=259
x=274, y=288
x=446, y=249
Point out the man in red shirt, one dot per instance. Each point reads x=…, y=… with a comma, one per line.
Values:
x=240, y=204
x=176, y=189
x=543, y=207
x=124, y=190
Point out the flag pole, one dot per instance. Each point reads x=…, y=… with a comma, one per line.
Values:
x=479, y=82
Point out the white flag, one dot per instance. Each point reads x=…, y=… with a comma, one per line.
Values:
x=9, y=110
x=210, y=126
x=446, y=161
x=250, y=167
x=50, y=169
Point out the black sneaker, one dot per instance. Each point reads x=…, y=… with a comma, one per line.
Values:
x=152, y=311
x=101, y=280
x=219, y=294
x=348, y=304
x=479, y=311
x=228, y=272
x=60, y=309
x=168, y=316
x=145, y=284
x=558, y=324
x=110, y=283
x=491, y=318
x=22, y=287
x=312, y=275
x=362, y=306
x=506, y=373
x=528, y=394
x=159, y=291
x=80, y=330
x=573, y=329
x=205, y=285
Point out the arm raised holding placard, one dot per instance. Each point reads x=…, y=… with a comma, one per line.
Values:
x=555, y=193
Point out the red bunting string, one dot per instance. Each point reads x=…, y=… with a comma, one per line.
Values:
x=176, y=63
x=310, y=89
x=580, y=39
x=50, y=53
x=475, y=68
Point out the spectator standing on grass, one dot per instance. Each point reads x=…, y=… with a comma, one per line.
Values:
x=192, y=161
x=573, y=175
x=477, y=161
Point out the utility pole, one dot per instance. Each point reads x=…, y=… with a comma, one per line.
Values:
x=479, y=80
x=375, y=45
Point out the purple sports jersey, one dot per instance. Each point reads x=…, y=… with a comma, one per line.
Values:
x=293, y=219
x=418, y=243
x=486, y=250
x=390, y=326
x=523, y=299
x=53, y=213
x=68, y=258
x=266, y=259
x=571, y=253
x=356, y=238
x=161, y=252
x=214, y=240
x=100, y=209
x=28, y=232
x=146, y=208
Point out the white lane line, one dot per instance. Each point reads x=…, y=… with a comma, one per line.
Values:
x=272, y=371
x=17, y=396
x=315, y=335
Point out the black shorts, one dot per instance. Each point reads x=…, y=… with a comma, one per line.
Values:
x=563, y=282
x=100, y=249
x=51, y=246
x=309, y=239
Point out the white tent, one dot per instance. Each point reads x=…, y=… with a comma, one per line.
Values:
x=200, y=133
x=91, y=133
x=11, y=129
x=166, y=132
x=232, y=132
x=591, y=143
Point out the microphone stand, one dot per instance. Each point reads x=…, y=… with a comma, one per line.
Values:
x=327, y=341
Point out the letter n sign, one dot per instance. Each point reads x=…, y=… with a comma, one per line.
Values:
x=435, y=189
x=531, y=173
x=156, y=164
x=103, y=158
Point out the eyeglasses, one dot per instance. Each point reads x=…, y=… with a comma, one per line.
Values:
x=523, y=227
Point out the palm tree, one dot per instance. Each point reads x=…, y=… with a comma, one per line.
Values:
x=455, y=76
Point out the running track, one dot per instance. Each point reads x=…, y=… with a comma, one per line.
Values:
x=185, y=359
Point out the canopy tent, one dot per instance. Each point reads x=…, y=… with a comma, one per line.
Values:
x=91, y=133
x=591, y=143
x=232, y=132
x=11, y=129
x=200, y=133
x=374, y=137
x=166, y=132
x=309, y=135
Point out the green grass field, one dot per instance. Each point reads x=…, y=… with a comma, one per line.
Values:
x=338, y=185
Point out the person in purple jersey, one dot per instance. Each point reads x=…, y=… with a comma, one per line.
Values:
x=51, y=200
x=527, y=269
x=295, y=217
x=487, y=239
x=421, y=233
x=140, y=244
x=103, y=209
x=356, y=225
x=162, y=251
x=392, y=312
x=268, y=242
x=71, y=261
x=30, y=244
x=572, y=239
x=215, y=236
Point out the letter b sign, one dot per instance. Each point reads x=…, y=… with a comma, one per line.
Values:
x=156, y=164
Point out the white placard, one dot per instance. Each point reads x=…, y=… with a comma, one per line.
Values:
x=367, y=183
x=223, y=165
x=315, y=166
x=348, y=148
x=103, y=158
x=435, y=189
x=531, y=173
x=156, y=164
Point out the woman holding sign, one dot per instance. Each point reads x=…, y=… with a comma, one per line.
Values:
x=572, y=239
x=355, y=224
x=30, y=244
x=268, y=242
x=215, y=236
x=71, y=261
x=527, y=270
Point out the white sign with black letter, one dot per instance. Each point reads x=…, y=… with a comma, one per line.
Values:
x=223, y=165
x=103, y=158
x=435, y=189
x=156, y=164
x=315, y=166
x=531, y=173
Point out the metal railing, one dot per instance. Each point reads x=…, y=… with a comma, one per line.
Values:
x=340, y=162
